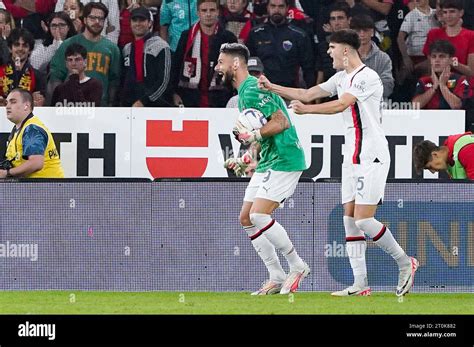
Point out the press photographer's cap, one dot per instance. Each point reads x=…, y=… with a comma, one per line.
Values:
x=255, y=64
x=141, y=12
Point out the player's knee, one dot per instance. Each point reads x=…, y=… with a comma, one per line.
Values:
x=260, y=220
x=244, y=219
x=365, y=224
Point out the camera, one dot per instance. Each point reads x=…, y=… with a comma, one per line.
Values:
x=6, y=165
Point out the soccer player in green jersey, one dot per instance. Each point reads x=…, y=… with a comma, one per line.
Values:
x=281, y=164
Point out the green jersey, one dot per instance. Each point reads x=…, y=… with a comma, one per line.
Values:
x=283, y=151
x=103, y=62
x=457, y=171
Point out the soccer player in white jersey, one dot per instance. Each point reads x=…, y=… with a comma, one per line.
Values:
x=366, y=155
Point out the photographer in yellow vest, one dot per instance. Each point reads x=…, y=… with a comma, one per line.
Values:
x=31, y=152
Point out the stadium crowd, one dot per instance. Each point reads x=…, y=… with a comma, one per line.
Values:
x=163, y=53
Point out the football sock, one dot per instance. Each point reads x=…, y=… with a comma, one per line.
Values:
x=383, y=238
x=278, y=236
x=356, y=247
x=266, y=252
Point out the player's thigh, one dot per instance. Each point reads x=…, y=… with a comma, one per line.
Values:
x=348, y=186
x=253, y=186
x=278, y=186
x=349, y=208
x=370, y=183
x=364, y=211
x=244, y=216
x=264, y=206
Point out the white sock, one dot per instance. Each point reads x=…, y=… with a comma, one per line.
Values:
x=356, y=247
x=278, y=236
x=266, y=252
x=383, y=237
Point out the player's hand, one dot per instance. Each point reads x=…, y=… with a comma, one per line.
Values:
x=434, y=79
x=239, y=165
x=264, y=83
x=298, y=107
x=444, y=77
x=245, y=136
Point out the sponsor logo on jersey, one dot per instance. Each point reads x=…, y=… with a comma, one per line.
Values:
x=287, y=45
x=264, y=101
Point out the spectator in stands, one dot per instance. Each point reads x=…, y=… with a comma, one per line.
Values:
x=462, y=39
x=379, y=10
x=283, y=47
x=78, y=89
x=112, y=28
x=255, y=68
x=195, y=82
x=456, y=156
x=31, y=149
x=147, y=65
x=28, y=14
x=18, y=72
x=443, y=89
x=126, y=8
x=6, y=26
x=59, y=28
x=103, y=56
x=237, y=19
x=439, y=14
x=370, y=53
x=260, y=10
x=413, y=33
x=468, y=18
x=74, y=9
x=176, y=16
x=339, y=18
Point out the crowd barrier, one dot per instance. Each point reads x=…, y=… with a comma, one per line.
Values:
x=184, y=235
x=195, y=142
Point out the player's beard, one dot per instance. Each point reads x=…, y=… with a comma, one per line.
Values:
x=227, y=79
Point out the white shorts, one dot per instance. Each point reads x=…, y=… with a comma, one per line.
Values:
x=364, y=183
x=272, y=185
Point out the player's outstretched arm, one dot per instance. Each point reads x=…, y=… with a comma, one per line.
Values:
x=331, y=107
x=304, y=95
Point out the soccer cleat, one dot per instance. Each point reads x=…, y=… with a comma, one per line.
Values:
x=294, y=279
x=406, y=277
x=269, y=287
x=353, y=291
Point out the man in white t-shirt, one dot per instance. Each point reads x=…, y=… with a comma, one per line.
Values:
x=366, y=155
x=413, y=33
x=112, y=27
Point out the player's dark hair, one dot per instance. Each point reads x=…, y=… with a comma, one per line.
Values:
x=25, y=95
x=341, y=6
x=236, y=50
x=443, y=46
x=287, y=2
x=21, y=33
x=200, y=2
x=76, y=48
x=346, y=36
x=457, y=4
x=422, y=154
x=362, y=22
x=97, y=5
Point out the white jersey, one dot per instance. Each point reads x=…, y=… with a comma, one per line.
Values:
x=364, y=137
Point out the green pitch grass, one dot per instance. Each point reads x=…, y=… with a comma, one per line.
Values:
x=77, y=302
